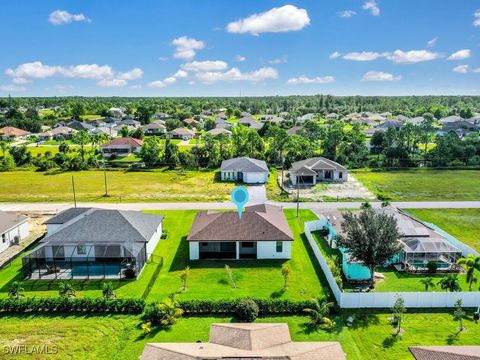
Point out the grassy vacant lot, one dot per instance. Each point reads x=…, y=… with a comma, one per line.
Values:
x=119, y=337
x=158, y=185
x=256, y=278
x=423, y=184
x=464, y=224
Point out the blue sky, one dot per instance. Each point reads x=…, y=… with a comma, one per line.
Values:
x=230, y=48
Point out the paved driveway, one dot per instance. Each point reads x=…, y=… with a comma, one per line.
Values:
x=257, y=194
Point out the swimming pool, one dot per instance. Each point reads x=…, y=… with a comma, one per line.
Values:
x=96, y=270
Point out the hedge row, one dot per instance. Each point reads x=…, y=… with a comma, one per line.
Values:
x=265, y=306
x=72, y=305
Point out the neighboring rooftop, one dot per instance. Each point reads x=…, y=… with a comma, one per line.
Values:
x=246, y=341
x=445, y=352
x=258, y=223
x=315, y=163
x=124, y=141
x=10, y=220
x=244, y=164
x=11, y=131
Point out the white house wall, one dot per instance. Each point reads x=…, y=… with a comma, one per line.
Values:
x=268, y=250
x=22, y=231
x=152, y=243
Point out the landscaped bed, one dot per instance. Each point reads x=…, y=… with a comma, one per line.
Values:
x=422, y=184
x=123, y=186
x=120, y=337
x=208, y=279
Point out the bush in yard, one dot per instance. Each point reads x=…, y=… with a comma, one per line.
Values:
x=246, y=310
x=432, y=266
x=163, y=314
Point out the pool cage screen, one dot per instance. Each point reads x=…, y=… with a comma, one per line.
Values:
x=85, y=261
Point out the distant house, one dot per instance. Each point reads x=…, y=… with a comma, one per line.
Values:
x=246, y=341
x=449, y=119
x=461, y=128
x=317, y=169
x=402, y=118
x=418, y=120
x=221, y=123
x=305, y=118
x=251, y=122
x=123, y=146
x=130, y=122
x=261, y=233
x=59, y=132
x=389, y=124
x=191, y=122
x=182, y=133
x=295, y=130
x=245, y=169
x=117, y=112
x=332, y=116
x=160, y=116
x=10, y=132
x=219, y=131
x=450, y=352
x=154, y=128
x=103, y=130
x=13, y=229
x=272, y=118
x=90, y=243
x=79, y=125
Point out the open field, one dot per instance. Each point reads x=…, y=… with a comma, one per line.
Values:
x=158, y=185
x=464, y=224
x=255, y=278
x=422, y=184
x=119, y=337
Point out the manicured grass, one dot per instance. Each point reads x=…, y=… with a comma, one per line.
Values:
x=423, y=184
x=158, y=185
x=254, y=278
x=274, y=192
x=464, y=224
x=119, y=337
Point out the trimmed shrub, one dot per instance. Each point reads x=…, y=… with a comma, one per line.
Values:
x=432, y=266
x=246, y=310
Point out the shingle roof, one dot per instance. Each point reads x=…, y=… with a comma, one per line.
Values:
x=124, y=141
x=105, y=227
x=258, y=223
x=183, y=131
x=445, y=352
x=13, y=131
x=316, y=163
x=219, y=131
x=244, y=164
x=10, y=220
x=67, y=215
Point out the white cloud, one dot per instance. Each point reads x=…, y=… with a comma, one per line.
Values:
x=412, y=56
x=476, y=21
x=380, y=76
x=61, y=17
x=240, y=58
x=62, y=88
x=362, y=56
x=163, y=58
x=460, y=55
x=431, y=43
x=208, y=65
x=477, y=70
x=105, y=75
x=157, y=84
x=180, y=74
x=282, y=19
x=372, y=6
x=334, y=55
x=234, y=74
x=12, y=88
x=170, y=80
x=461, y=69
x=347, y=13
x=278, y=61
x=186, y=47
x=316, y=80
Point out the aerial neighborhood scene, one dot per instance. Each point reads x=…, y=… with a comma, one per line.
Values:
x=240, y=180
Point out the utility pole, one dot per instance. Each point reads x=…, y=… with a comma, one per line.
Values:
x=298, y=196
x=74, y=196
x=105, y=178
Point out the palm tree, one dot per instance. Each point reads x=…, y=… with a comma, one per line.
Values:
x=459, y=313
x=107, y=291
x=16, y=290
x=286, y=272
x=470, y=263
x=450, y=283
x=319, y=311
x=170, y=311
x=428, y=283
x=3, y=146
x=65, y=289
x=184, y=277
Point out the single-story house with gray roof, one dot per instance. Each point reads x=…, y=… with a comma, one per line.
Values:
x=317, y=169
x=91, y=243
x=245, y=169
x=13, y=228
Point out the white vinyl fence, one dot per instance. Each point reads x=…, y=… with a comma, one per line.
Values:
x=386, y=299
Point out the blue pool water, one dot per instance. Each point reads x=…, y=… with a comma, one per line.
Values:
x=96, y=270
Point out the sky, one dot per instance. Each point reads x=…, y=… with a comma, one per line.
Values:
x=239, y=48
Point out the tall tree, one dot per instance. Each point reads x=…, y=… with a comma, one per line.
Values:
x=81, y=138
x=471, y=264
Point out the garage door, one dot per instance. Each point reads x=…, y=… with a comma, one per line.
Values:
x=254, y=178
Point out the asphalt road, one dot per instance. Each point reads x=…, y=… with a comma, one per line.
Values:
x=56, y=207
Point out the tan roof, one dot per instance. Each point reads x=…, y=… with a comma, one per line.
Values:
x=256, y=341
x=183, y=131
x=258, y=223
x=11, y=131
x=191, y=121
x=124, y=141
x=445, y=352
x=62, y=130
x=10, y=220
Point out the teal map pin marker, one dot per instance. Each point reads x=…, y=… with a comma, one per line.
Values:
x=240, y=198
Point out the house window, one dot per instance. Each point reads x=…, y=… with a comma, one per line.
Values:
x=340, y=175
x=81, y=249
x=4, y=238
x=248, y=244
x=279, y=246
x=203, y=244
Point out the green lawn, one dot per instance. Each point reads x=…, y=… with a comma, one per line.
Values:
x=423, y=184
x=158, y=185
x=119, y=337
x=464, y=224
x=257, y=278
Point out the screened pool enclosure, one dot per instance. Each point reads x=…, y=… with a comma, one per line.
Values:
x=85, y=261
